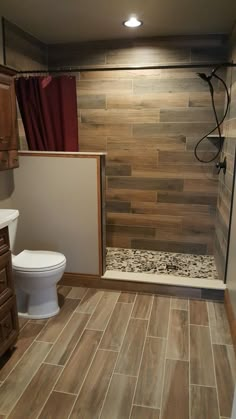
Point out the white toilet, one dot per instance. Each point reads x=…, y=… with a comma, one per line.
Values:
x=35, y=274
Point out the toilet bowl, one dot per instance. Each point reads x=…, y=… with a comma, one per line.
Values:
x=36, y=274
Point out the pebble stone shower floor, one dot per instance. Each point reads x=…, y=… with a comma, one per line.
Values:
x=153, y=262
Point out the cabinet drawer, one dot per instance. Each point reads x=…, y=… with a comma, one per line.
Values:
x=3, y=160
x=5, y=143
x=6, y=286
x=8, y=324
x=4, y=240
x=13, y=160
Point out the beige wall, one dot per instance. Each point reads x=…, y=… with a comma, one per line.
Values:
x=57, y=201
x=6, y=188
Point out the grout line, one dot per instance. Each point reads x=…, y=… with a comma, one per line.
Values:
x=141, y=358
x=113, y=372
x=201, y=385
x=139, y=318
x=108, y=350
x=63, y=392
x=213, y=358
x=95, y=353
x=164, y=369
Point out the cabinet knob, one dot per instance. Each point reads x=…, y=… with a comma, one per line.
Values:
x=2, y=281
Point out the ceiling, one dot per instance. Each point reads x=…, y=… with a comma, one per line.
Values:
x=54, y=21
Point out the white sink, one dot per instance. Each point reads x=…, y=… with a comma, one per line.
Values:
x=6, y=216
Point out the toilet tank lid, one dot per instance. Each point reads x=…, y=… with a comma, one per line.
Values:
x=37, y=259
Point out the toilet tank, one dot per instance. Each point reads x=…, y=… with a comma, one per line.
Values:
x=11, y=222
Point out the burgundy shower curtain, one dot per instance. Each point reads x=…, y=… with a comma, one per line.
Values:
x=48, y=109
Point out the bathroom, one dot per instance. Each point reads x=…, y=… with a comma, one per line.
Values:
x=153, y=241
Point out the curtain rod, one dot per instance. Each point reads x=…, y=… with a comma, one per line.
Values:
x=145, y=67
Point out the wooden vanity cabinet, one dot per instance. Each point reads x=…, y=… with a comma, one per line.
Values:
x=9, y=327
x=8, y=120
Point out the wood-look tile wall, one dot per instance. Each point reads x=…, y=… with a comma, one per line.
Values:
x=23, y=51
x=226, y=181
x=148, y=121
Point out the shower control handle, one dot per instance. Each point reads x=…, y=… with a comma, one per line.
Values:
x=221, y=165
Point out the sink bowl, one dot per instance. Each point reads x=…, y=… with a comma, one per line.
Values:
x=6, y=216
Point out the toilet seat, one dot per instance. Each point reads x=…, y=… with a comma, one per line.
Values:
x=37, y=261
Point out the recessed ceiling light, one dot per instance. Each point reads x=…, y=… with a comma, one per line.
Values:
x=132, y=22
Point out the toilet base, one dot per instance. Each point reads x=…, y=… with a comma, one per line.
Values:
x=39, y=316
x=39, y=304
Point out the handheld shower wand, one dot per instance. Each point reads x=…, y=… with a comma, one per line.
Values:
x=207, y=78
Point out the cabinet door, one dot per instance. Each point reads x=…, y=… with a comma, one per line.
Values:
x=6, y=285
x=9, y=327
x=8, y=121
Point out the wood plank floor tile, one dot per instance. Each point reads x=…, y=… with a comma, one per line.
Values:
x=77, y=292
x=36, y=394
x=68, y=339
x=220, y=331
x=201, y=360
x=150, y=380
x=89, y=301
x=78, y=365
x=179, y=303
x=22, y=322
x=140, y=412
x=126, y=297
x=131, y=351
x=114, y=334
x=178, y=337
x=63, y=290
x=198, y=312
x=175, y=403
x=203, y=403
x=56, y=324
x=102, y=313
x=16, y=382
x=10, y=359
x=159, y=317
x=119, y=398
x=91, y=397
x=58, y=406
x=142, y=306
x=225, y=377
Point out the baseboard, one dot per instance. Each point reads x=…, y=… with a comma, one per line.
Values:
x=231, y=317
x=76, y=279
x=94, y=281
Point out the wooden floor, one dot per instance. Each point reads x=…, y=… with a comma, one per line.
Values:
x=113, y=355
